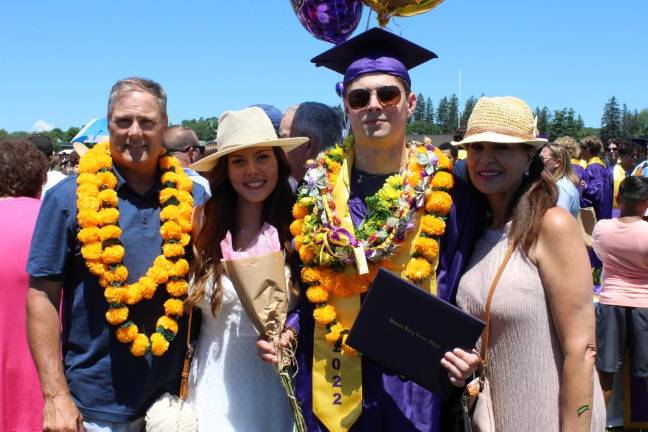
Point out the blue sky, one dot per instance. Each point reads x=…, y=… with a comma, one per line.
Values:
x=59, y=59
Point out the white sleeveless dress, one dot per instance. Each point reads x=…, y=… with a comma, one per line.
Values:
x=230, y=388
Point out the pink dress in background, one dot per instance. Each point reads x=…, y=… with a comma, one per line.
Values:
x=21, y=401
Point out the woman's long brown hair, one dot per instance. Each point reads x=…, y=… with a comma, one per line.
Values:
x=219, y=216
x=534, y=197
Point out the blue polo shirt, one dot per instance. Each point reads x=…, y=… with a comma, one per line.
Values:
x=106, y=381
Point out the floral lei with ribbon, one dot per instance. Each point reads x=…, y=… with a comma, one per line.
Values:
x=103, y=252
x=326, y=248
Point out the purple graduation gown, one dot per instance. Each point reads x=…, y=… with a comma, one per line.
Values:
x=391, y=403
x=580, y=173
x=598, y=191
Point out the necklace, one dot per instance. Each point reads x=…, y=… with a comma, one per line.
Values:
x=326, y=248
x=103, y=252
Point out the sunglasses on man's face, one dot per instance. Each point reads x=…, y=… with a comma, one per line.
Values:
x=387, y=96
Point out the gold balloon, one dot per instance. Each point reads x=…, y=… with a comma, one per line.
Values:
x=387, y=8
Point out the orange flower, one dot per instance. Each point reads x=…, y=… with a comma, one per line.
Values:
x=299, y=211
x=324, y=314
x=334, y=333
x=186, y=184
x=170, y=230
x=87, y=189
x=427, y=247
x=134, y=294
x=110, y=232
x=168, y=324
x=418, y=269
x=170, y=212
x=157, y=274
x=108, y=197
x=107, y=179
x=88, y=218
x=108, y=216
x=179, y=268
x=170, y=177
x=168, y=193
x=115, y=295
x=127, y=333
x=185, y=239
x=172, y=250
x=296, y=227
x=117, y=315
x=96, y=267
x=140, y=345
x=173, y=307
x=316, y=294
x=444, y=162
x=442, y=180
x=149, y=286
x=119, y=274
x=85, y=202
x=177, y=288
x=91, y=251
x=311, y=274
x=432, y=225
x=167, y=162
x=88, y=235
x=299, y=241
x=307, y=254
x=439, y=203
x=113, y=254
x=86, y=178
x=159, y=345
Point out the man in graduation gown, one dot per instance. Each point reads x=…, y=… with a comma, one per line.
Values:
x=378, y=101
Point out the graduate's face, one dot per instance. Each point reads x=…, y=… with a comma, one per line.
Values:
x=379, y=119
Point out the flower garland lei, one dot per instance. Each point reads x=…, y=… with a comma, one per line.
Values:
x=326, y=248
x=103, y=252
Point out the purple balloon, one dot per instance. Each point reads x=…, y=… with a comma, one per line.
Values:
x=329, y=20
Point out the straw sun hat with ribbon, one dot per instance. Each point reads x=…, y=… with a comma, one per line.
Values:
x=506, y=120
x=238, y=130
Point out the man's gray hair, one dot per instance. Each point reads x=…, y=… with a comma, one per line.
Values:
x=179, y=139
x=133, y=84
x=319, y=121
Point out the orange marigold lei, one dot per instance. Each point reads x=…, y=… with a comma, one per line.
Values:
x=103, y=252
x=326, y=249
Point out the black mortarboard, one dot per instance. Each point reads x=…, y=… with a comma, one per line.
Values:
x=375, y=50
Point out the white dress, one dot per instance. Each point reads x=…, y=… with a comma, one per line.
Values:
x=230, y=388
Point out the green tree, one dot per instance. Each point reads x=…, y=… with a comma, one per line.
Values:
x=429, y=111
x=629, y=122
x=71, y=132
x=3, y=133
x=558, y=127
x=205, y=128
x=453, y=117
x=419, y=111
x=443, y=114
x=468, y=108
x=642, y=122
x=611, y=120
x=544, y=119
x=19, y=134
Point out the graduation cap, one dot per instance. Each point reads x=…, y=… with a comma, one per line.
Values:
x=375, y=50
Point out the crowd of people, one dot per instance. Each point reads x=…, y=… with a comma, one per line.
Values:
x=110, y=269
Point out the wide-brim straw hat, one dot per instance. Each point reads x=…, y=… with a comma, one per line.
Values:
x=505, y=120
x=238, y=130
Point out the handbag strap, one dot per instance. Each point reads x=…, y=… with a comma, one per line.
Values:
x=186, y=365
x=486, y=332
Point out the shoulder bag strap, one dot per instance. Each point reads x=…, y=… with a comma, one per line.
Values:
x=486, y=333
x=186, y=366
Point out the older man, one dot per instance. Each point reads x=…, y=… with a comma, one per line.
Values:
x=340, y=391
x=96, y=375
x=182, y=143
x=321, y=125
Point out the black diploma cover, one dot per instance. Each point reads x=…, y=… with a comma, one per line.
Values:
x=407, y=331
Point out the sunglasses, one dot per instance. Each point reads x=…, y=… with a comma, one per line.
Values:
x=387, y=96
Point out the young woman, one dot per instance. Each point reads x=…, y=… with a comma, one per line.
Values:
x=556, y=162
x=230, y=388
x=542, y=342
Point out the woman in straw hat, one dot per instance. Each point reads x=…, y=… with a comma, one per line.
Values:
x=542, y=343
x=230, y=387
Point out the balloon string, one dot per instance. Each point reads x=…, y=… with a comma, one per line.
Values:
x=368, y=16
